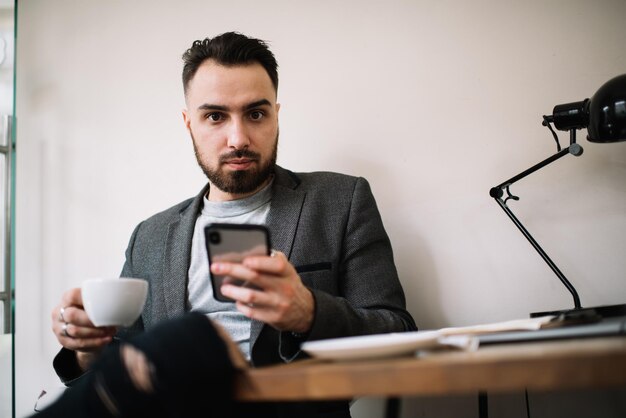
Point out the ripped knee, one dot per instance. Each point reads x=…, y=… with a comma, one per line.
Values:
x=139, y=368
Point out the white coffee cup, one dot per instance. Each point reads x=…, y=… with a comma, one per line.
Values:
x=114, y=302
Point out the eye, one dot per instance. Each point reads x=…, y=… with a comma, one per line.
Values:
x=214, y=117
x=256, y=115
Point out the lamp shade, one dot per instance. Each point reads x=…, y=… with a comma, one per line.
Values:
x=604, y=115
x=607, y=112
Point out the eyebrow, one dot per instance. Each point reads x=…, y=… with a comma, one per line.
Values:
x=258, y=103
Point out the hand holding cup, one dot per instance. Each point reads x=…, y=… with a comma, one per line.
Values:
x=75, y=328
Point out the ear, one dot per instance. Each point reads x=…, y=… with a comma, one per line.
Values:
x=187, y=119
x=277, y=109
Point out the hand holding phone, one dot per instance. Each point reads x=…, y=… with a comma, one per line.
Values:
x=274, y=294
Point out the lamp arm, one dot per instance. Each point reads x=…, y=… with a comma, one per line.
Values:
x=541, y=252
x=497, y=193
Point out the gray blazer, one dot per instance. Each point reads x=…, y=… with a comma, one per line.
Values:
x=329, y=227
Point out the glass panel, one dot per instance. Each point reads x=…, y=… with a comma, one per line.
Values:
x=7, y=55
x=6, y=375
x=7, y=100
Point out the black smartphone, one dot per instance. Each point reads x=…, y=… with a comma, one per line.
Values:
x=232, y=243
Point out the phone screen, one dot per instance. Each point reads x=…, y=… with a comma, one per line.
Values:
x=233, y=243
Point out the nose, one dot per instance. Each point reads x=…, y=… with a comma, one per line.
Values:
x=238, y=137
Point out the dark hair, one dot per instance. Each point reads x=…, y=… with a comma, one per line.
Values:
x=229, y=49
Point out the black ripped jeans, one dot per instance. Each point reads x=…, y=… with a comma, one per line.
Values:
x=185, y=370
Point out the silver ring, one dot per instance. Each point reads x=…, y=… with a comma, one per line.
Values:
x=273, y=253
x=65, y=333
x=61, y=312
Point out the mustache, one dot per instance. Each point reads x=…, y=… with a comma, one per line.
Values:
x=242, y=153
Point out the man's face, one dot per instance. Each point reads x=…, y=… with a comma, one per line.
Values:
x=232, y=116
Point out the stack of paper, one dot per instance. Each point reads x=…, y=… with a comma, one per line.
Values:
x=395, y=344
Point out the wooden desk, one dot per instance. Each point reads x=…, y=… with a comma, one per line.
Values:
x=548, y=365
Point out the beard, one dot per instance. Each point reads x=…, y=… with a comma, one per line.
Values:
x=238, y=181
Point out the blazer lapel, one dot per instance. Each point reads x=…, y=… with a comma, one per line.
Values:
x=178, y=257
x=285, y=212
x=282, y=221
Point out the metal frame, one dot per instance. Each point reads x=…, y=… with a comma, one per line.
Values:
x=6, y=296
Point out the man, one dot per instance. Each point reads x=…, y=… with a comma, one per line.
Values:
x=331, y=273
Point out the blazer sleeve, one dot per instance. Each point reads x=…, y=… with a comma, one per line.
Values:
x=370, y=298
x=128, y=270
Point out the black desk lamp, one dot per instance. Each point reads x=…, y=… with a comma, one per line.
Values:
x=604, y=117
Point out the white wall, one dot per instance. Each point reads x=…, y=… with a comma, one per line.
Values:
x=433, y=102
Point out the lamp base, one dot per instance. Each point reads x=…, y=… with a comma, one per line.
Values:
x=596, y=312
